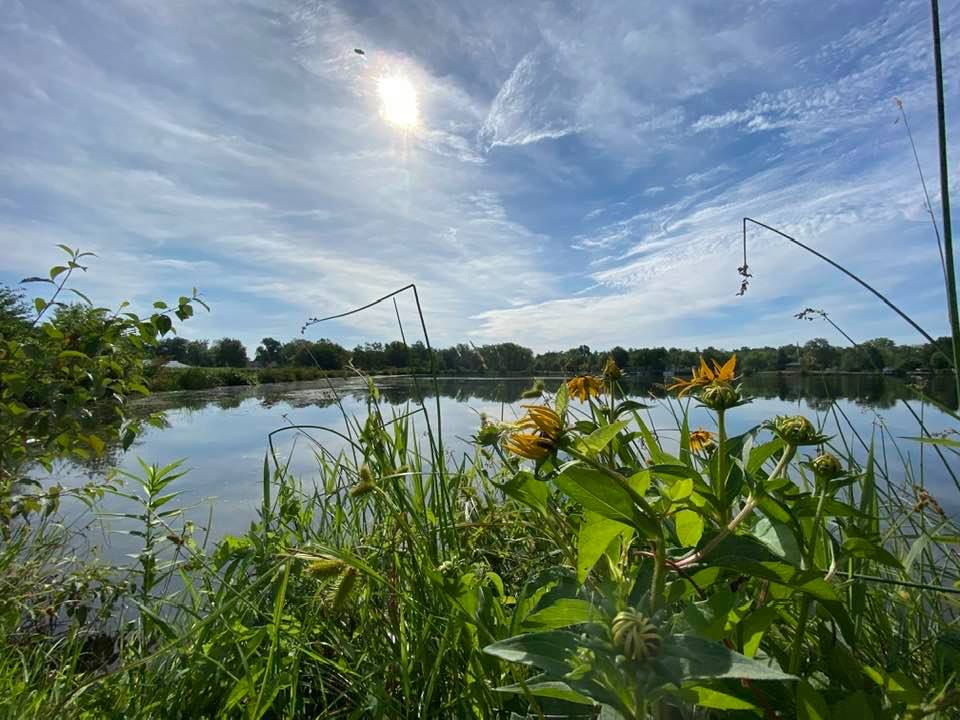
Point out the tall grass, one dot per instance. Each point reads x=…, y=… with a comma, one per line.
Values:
x=366, y=592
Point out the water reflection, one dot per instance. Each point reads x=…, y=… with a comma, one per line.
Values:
x=876, y=392
x=222, y=433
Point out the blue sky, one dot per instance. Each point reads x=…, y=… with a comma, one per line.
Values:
x=577, y=174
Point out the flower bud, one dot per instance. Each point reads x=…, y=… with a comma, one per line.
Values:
x=720, y=396
x=796, y=430
x=827, y=466
x=635, y=636
x=488, y=434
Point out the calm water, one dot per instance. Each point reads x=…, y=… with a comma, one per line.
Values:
x=222, y=434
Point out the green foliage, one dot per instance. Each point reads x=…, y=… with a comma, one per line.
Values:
x=66, y=378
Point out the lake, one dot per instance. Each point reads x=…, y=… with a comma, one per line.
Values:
x=222, y=434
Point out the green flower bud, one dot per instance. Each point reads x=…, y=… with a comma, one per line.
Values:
x=635, y=636
x=720, y=396
x=796, y=430
x=827, y=466
x=488, y=435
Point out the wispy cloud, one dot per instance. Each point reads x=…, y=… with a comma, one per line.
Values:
x=579, y=173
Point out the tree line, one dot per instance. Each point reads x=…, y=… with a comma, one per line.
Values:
x=879, y=354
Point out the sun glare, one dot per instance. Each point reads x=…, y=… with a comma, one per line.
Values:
x=398, y=101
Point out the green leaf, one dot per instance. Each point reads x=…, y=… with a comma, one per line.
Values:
x=163, y=323
x=779, y=538
x=599, y=438
x=35, y=279
x=862, y=548
x=83, y=297
x=562, y=399
x=689, y=527
x=56, y=270
x=596, y=534
x=40, y=304
x=810, y=704
x=944, y=442
x=898, y=686
x=754, y=626
x=562, y=613
x=852, y=706
x=680, y=490
x=601, y=494
x=708, y=618
x=546, y=688
x=66, y=354
x=761, y=453
x=688, y=657
x=547, y=650
x=525, y=488
x=96, y=443
x=716, y=699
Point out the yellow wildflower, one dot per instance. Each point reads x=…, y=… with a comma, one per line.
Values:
x=546, y=425
x=704, y=375
x=543, y=419
x=585, y=386
x=700, y=439
x=612, y=371
x=529, y=445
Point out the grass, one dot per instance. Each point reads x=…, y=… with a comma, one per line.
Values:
x=373, y=589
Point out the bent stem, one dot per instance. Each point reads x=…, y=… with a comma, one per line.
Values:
x=697, y=556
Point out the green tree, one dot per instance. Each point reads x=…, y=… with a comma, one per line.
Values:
x=229, y=352
x=14, y=313
x=620, y=356
x=818, y=354
x=199, y=354
x=396, y=355
x=328, y=355
x=269, y=352
x=174, y=348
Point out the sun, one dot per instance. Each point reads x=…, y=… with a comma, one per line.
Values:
x=398, y=100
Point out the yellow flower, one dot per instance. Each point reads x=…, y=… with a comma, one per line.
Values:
x=704, y=375
x=700, y=439
x=585, y=386
x=542, y=418
x=726, y=372
x=546, y=425
x=529, y=445
x=612, y=371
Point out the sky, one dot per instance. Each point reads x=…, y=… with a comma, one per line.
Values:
x=577, y=172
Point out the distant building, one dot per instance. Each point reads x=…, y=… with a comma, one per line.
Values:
x=175, y=365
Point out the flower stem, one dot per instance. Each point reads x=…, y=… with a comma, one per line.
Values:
x=659, y=581
x=721, y=480
x=798, y=638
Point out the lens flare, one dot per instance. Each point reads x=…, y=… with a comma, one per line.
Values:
x=398, y=100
